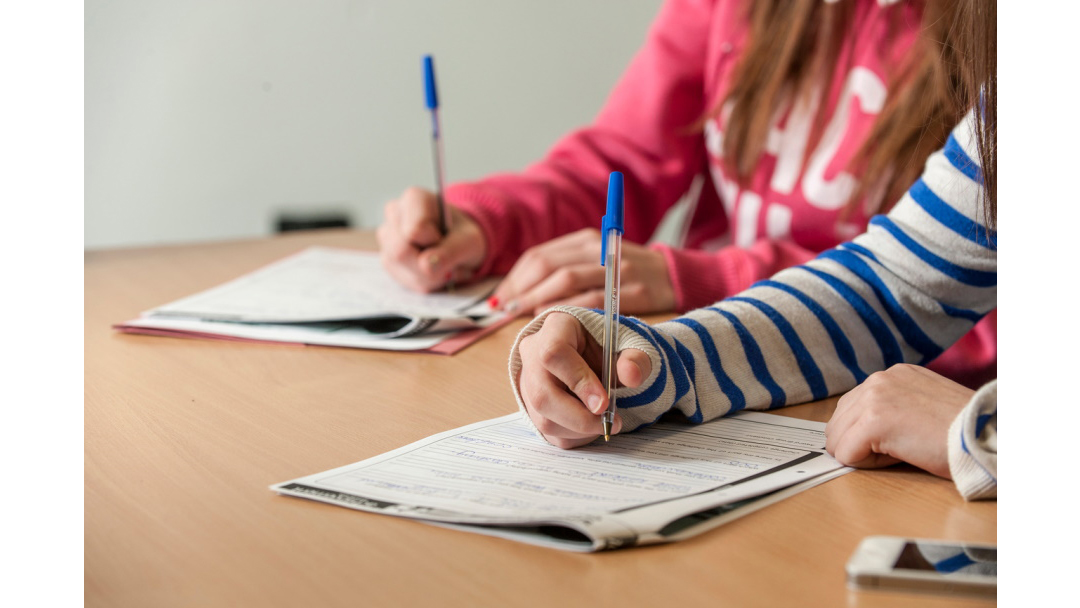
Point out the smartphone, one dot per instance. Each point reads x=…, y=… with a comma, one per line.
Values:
x=936, y=566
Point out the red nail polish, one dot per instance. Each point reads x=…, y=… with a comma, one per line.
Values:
x=493, y=302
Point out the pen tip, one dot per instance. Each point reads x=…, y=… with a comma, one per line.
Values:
x=606, y=437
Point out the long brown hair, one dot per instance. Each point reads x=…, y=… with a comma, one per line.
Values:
x=976, y=42
x=793, y=47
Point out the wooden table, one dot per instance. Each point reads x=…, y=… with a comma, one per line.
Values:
x=183, y=437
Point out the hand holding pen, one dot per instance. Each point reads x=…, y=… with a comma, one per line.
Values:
x=425, y=243
x=559, y=385
x=558, y=361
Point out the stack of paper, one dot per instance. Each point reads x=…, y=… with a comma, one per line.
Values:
x=661, y=484
x=331, y=297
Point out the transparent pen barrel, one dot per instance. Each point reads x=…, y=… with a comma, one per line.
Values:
x=437, y=153
x=611, y=316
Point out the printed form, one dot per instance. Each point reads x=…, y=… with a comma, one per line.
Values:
x=324, y=284
x=500, y=472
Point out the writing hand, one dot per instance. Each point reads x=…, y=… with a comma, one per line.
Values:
x=567, y=270
x=901, y=414
x=414, y=252
x=559, y=384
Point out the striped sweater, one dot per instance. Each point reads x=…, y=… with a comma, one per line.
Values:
x=902, y=292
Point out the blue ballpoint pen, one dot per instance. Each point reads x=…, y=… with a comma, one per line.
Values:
x=611, y=231
x=432, y=98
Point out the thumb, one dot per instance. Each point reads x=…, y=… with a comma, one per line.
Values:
x=633, y=367
x=458, y=250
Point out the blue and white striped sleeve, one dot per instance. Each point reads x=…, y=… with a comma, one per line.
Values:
x=902, y=292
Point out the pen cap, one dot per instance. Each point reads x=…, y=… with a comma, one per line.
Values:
x=431, y=95
x=613, y=219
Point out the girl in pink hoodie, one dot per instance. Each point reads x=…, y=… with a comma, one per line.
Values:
x=789, y=126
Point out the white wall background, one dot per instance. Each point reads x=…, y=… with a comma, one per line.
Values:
x=206, y=118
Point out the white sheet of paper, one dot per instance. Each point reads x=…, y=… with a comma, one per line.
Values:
x=324, y=284
x=500, y=472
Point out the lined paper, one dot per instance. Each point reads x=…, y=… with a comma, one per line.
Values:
x=501, y=470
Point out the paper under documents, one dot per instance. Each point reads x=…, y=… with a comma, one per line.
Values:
x=326, y=296
x=660, y=484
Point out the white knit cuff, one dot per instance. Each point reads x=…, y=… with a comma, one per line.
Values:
x=973, y=455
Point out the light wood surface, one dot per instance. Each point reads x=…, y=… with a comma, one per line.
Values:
x=183, y=437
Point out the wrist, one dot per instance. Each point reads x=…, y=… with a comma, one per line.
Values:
x=664, y=291
x=699, y=278
x=477, y=242
x=489, y=214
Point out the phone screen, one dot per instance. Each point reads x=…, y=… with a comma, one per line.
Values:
x=947, y=559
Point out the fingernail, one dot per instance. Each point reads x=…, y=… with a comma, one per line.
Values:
x=433, y=261
x=596, y=404
x=512, y=306
x=493, y=302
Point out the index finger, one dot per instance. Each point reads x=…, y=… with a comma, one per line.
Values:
x=542, y=261
x=842, y=419
x=399, y=258
x=418, y=219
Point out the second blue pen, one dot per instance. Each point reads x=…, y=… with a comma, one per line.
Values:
x=431, y=96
